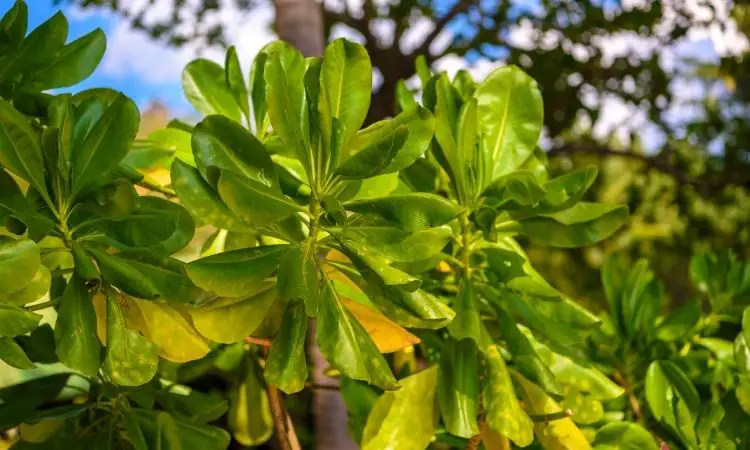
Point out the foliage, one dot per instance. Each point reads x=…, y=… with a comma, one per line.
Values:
x=400, y=239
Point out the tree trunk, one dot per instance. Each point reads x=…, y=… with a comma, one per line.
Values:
x=300, y=22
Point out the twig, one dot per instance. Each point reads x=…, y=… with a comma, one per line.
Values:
x=475, y=440
x=259, y=341
x=650, y=162
x=282, y=423
x=545, y=418
x=43, y=305
x=156, y=188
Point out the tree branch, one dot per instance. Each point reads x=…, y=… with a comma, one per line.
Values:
x=281, y=422
x=440, y=24
x=650, y=162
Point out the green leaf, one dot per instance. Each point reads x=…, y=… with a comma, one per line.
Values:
x=420, y=125
x=73, y=64
x=373, y=160
x=220, y=143
x=151, y=429
x=467, y=323
x=370, y=264
x=84, y=265
x=20, y=148
x=406, y=418
x=746, y=324
x=15, y=321
x=581, y=225
x=458, y=387
x=298, y=278
x=568, y=189
x=504, y=413
x=672, y=398
x=129, y=358
x=13, y=355
x=203, y=202
x=37, y=48
x=107, y=142
x=410, y=212
x=284, y=73
x=249, y=414
x=679, y=322
x=742, y=355
x=346, y=344
x=37, y=288
x=14, y=23
x=623, y=436
x=157, y=226
x=77, y=344
x=205, y=86
x=576, y=375
x=525, y=358
x=230, y=320
x=168, y=277
x=514, y=190
x=192, y=404
x=119, y=272
x=236, y=273
x=586, y=409
x=286, y=366
x=254, y=202
x=370, y=188
x=398, y=245
x=346, y=85
x=510, y=116
x=236, y=81
x=258, y=89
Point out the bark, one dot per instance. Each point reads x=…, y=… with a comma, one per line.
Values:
x=300, y=22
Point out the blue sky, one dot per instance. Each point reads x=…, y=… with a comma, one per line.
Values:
x=146, y=70
x=133, y=84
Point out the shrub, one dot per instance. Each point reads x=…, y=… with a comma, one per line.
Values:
x=399, y=239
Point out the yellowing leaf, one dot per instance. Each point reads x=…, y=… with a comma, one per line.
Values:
x=40, y=431
x=167, y=326
x=561, y=434
x=388, y=336
x=493, y=440
x=170, y=328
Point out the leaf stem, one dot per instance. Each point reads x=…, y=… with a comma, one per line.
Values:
x=156, y=188
x=44, y=305
x=259, y=341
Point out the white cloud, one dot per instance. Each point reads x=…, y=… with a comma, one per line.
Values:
x=132, y=53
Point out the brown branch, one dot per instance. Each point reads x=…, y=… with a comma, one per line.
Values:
x=460, y=7
x=650, y=162
x=282, y=423
x=475, y=440
x=259, y=341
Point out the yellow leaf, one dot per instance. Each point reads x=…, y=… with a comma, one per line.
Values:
x=493, y=440
x=388, y=336
x=170, y=328
x=41, y=431
x=100, y=306
x=560, y=434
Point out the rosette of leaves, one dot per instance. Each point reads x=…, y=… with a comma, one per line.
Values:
x=310, y=225
x=513, y=333
x=74, y=229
